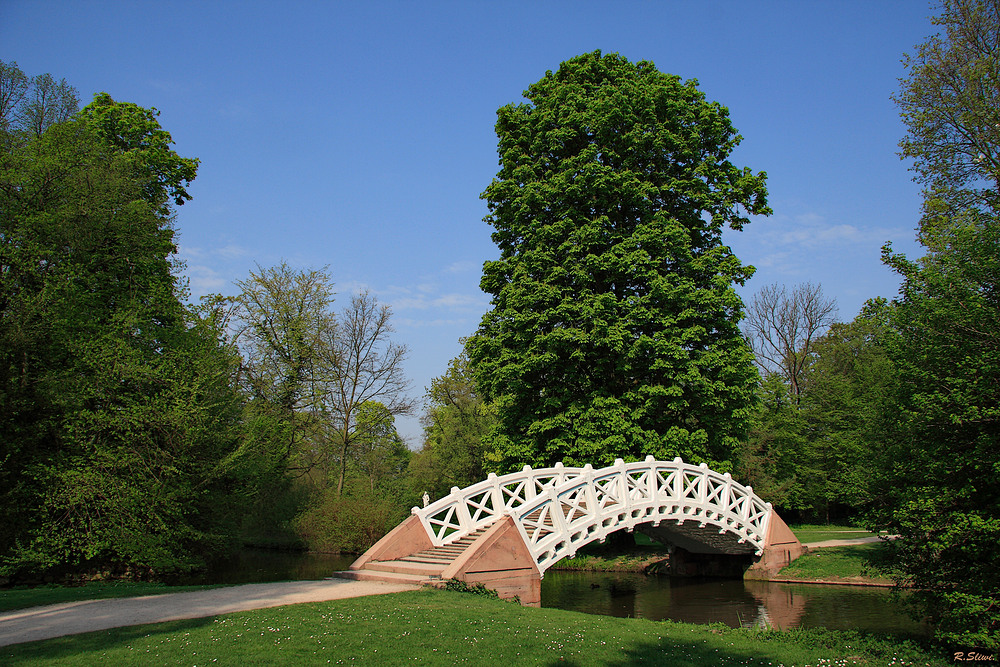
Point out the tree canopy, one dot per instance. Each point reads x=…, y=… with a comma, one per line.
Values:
x=950, y=103
x=116, y=409
x=613, y=330
x=936, y=481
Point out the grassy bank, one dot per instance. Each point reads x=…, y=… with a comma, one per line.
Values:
x=849, y=565
x=432, y=627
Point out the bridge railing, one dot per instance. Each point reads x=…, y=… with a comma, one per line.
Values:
x=593, y=503
x=464, y=511
x=561, y=508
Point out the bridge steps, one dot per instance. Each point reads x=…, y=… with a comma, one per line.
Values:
x=423, y=567
x=390, y=577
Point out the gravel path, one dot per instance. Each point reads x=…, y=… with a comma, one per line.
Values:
x=70, y=618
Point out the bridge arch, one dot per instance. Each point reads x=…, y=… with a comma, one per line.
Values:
x=528, y=520
x=561, y=509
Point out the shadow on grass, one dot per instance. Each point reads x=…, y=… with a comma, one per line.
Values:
x=62, y=649
x=771, y=647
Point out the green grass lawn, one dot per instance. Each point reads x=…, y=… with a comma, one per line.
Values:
x=433, y=627
x=850, y=563
x=19, y=598
x=820, y=533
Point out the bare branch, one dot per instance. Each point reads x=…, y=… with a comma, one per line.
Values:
x=782, y=329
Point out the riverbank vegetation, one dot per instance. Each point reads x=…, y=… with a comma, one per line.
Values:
x=855, y=564
x=432, y=627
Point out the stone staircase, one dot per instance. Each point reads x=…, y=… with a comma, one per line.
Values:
x=424, y=567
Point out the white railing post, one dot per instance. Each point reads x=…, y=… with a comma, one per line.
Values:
x=678, y=479
x=703, y=484
x=461, y=511
x=499, y=507
x=556, y=512
x=651, y=485
x=529, y=483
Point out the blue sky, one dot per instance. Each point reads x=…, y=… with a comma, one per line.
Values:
x=359, y=135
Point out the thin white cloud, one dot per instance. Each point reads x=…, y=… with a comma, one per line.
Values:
x=462, y=267
x=204, y=279
x=410, y=322
x=811, y=230
x=233, y=251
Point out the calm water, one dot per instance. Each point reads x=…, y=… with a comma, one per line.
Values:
x=734, y=602
x=253, y=566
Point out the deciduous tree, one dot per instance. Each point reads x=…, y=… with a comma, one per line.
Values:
x=613, y=328
x=456, y=423
x=29, y=106
x=938, y=484
x=281, y=322
x=783, y=328
x=950, y=102
x=364, y=365
x=117, y=417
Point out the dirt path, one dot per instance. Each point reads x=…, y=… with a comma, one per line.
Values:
x=69, y=618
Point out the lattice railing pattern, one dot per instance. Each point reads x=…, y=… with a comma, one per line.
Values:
x=560, y=509
x=464, y=511
x=596, y=503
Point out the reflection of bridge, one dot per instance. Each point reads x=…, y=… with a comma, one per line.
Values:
x=506, y=531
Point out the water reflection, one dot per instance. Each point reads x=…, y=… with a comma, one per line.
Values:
x=253, y=566
x=730, y=601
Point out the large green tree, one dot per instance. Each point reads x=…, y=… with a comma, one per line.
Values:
x=939, y=487
x=613, y=330
x=117, y=414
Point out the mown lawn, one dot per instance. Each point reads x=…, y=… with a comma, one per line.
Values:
x=433, y=627
x=850, y=563
x=823, y=532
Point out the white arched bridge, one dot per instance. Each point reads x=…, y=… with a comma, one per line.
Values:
x=506, y=531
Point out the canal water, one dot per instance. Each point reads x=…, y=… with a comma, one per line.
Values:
x=734, y=602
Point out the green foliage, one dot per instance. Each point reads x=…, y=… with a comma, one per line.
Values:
x=117, y=413
x=937, y=484
x=380, y=455
x=939, y=488
x=473, y=589
x=810, y=454
x=771, y=456
x=455, y=425
x=348, y=523
x=135, y=132
x=613, y=329
x=279, y=319
x=950, y=103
